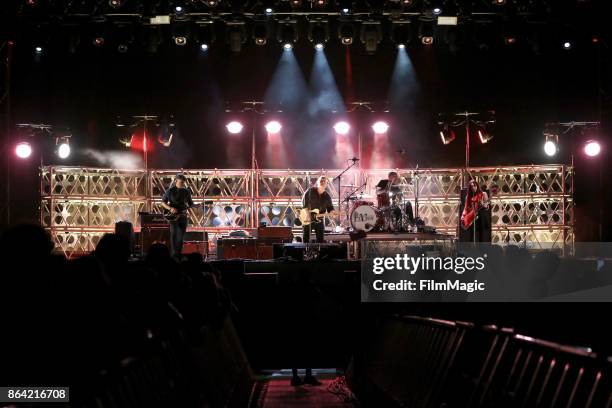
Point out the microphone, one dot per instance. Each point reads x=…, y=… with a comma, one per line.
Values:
x=354, y=159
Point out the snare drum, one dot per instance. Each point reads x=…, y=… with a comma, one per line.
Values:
x=366, y=217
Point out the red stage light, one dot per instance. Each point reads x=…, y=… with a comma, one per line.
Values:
x=23, y=150
x=234, y=127
x=380, y=127
x=273, y=127
x=342, y=128
x=592, y=148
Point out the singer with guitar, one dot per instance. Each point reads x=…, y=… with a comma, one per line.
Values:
x=176, y=201
x=475, y=213
x=319, y=204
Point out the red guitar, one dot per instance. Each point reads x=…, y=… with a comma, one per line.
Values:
x=478, y=201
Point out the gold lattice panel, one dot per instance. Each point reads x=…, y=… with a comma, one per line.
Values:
x=205, y=184
x=533, y=205
x=69, y=181
x=216, y=214
x=89, y=213
x=76, y=242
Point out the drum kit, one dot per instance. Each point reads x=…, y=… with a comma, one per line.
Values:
x=392, y=212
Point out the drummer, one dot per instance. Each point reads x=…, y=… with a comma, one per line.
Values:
x=388, y=185
x=391, y=187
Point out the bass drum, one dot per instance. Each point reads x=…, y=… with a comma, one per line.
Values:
x=366, y=218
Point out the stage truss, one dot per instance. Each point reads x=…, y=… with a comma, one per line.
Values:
x=533, y=205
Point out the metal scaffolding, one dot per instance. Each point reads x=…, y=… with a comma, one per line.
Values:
x=533, y=205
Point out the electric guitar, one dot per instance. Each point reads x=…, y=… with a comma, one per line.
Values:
x=169, y=216
x=468, y=218
x=308, y=216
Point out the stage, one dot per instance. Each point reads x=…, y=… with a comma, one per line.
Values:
x=533, y=206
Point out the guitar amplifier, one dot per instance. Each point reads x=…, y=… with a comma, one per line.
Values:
x=233, y=248
x=154, y=235
x=200, y=247
x=268, y=236
x=283, y=233
x=152, y=220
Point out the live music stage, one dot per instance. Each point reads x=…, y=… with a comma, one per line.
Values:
x=305, y=203
x=533, y=206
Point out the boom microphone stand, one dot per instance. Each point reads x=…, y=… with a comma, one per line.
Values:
x=339, y=177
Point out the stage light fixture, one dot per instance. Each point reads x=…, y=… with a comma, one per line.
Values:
x=180, y=40
x=205, y=34
x=260, y=33
x=371, y=35
x=346, y=32
x=296, y=3
x=427, y=32
x=551, y=140
x=269, y=11
x=287, y=33
x=499, y=2
x=592, y=148
x=318, y=33
x=63, y=150
x=154, y=39
x=567, y=45
x=484, y=136
x=116, y=3
x=380, y=127
x=319, y=3
x=23, y=150
x=212, y=3
x=436, y=11
x=342, y=128
x=98, y=42
x=234, y=127
x=273, y=127
x=447, y=134
x=124, y=37
x=38, y=49
x=401, y=33
x=550, y=148
x=236, y=35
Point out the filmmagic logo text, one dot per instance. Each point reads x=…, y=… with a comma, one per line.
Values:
x=412, y=265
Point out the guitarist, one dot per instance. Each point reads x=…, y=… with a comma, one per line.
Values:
x=475, y=212
x=316, y=198
x=176, y=200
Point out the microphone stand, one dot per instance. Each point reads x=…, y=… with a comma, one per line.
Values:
x=339, y=177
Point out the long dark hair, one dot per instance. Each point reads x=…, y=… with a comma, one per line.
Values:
x=471, y=193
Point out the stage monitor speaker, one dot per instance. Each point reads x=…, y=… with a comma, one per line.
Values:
x=236, y=248
x=126, y=229
x=154, y=235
